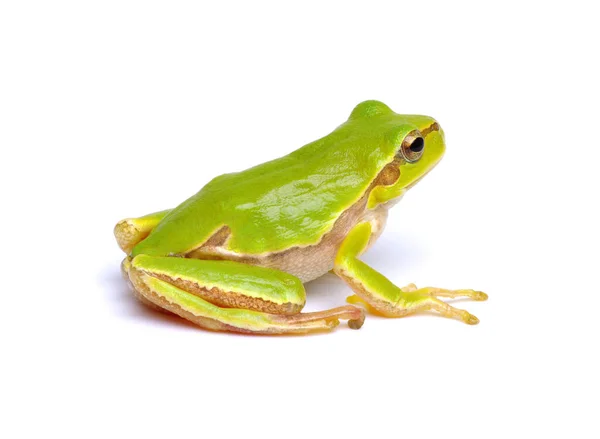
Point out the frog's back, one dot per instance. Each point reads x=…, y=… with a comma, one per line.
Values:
x=291, y=201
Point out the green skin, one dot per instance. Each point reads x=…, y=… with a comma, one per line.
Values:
x=288, y=203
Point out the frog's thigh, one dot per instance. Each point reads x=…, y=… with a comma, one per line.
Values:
x=381, y=296
x=231, y=296
x=131, y=231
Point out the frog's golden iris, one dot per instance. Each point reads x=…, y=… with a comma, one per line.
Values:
x=412, y=146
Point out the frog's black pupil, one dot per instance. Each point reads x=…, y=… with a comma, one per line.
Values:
x=417, y=145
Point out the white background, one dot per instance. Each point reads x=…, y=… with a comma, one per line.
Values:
x=114, y=109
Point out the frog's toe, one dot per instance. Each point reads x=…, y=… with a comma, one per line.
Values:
x=479, y=296
x=431, y=303
x=410, y=288
x=471, y=294
x=470, y=319
x=356, y=323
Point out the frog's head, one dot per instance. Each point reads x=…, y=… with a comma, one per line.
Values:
x=416, y=142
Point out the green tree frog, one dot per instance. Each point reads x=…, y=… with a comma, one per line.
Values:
x=235, y=255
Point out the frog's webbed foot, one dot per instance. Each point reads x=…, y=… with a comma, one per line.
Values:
x=380, y=296
x=230, y=296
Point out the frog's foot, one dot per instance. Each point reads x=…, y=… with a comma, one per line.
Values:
x=230, y=296
x=409, y=300
x=381, y=296
x=131, y=231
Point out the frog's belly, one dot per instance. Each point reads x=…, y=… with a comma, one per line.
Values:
x=311, y=262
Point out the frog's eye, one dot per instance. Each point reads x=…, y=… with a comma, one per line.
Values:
x=412, y=147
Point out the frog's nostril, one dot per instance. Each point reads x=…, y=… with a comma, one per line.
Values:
x=417, y=145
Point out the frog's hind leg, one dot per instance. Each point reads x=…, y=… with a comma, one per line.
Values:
x=131, y=231
x=231, y=296
x=383, y=297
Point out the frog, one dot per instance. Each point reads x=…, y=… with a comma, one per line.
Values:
x=235, y=256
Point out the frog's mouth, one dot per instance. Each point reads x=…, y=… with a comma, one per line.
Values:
x=415, y=172
x=419, y=178
x=432, y=163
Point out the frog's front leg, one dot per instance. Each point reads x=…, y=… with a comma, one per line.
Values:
x=231, y=296
x=381, y=295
